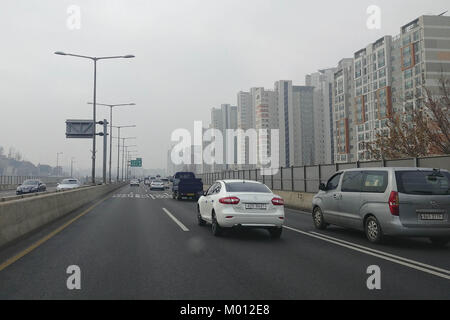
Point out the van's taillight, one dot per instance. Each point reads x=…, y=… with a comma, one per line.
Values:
x=229, y=200
x=278, y=202
x=394, y=204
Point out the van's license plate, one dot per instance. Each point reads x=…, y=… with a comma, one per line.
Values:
x=431, y=216
x=255, y=206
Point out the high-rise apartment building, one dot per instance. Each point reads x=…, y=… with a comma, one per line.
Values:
x=303, y=125
x=223, y=119
x=322, y=81
x=343, y=97
x=387, y=77
x=283, y=89
x=295, y=106
x=266, y=119
x=246, y=120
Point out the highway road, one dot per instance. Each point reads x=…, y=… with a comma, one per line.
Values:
x=138, y=244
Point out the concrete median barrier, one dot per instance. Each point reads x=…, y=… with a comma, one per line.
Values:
x=22, y=216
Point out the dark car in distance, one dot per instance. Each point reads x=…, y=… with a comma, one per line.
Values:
x=185, y=184
x=31, y=186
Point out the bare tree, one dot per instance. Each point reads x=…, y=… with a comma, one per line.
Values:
x=420, y=132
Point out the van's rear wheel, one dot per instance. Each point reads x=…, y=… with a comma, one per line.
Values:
x=319, y=221
x=373, y=230
x=439, y=241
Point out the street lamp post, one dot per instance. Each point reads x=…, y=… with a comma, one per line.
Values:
x=94, y=59
x=111, y=106
x=129, y=154
x=118, y=145
x=71, y=167
x=57, y=162
x=123, y=151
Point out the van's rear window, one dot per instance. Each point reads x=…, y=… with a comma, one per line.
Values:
x=246, y=187
x=423, y=182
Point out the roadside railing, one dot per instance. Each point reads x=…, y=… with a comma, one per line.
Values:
x=308, y=178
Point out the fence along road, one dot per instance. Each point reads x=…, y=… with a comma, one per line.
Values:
x=308, y=178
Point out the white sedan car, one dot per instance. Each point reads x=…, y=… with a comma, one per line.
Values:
x=238, y=203
x=134, y=182
x=68, y=184
x=157, y=185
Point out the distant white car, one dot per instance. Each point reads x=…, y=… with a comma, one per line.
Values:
x=134, y=182
x=166, y=183
x=157, y=185
x=238, y=203
x=68, y=184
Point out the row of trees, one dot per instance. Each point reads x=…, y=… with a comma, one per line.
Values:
x=420, y=132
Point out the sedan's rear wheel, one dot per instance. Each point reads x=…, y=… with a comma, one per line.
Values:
x=275, y=233
x=215, y=227
x=200, y=220
x=373, y=230
x=319, y=221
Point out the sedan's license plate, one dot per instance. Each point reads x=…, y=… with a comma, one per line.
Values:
x=255, y=206
x=432, y=216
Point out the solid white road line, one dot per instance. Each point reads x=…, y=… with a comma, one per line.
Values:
x=381, y=256
x=182, y=226
x=386, y=254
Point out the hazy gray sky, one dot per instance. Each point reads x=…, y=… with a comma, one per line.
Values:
x=190, y=56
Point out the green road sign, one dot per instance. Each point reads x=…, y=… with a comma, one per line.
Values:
x=136, y=163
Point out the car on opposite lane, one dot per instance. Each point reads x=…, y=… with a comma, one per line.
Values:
x=410, y=202
x=31, y=186
x=68, y=184
x=239, y=203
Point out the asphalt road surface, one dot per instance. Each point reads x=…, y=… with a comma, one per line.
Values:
x=138, y=244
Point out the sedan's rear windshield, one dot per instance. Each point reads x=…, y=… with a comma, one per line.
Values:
x=69, y=182
x=246, y=187
x=30, y=182
x=423, y=182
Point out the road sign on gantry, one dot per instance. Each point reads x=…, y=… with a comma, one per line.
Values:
x=136, y=163
x=79, y=129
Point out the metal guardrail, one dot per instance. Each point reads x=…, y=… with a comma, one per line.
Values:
x=308, y=178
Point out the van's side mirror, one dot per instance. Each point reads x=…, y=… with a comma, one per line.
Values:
x=322, y=187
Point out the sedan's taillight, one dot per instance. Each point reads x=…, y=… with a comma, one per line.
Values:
x=278, y=202
x=229, y=200
x=394, y=203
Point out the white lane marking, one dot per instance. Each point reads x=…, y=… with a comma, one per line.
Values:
x=182, y=226
x=151, y=196
x=384, y=257
x=386, y=254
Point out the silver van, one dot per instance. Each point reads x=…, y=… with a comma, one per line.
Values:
x=412, y=202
